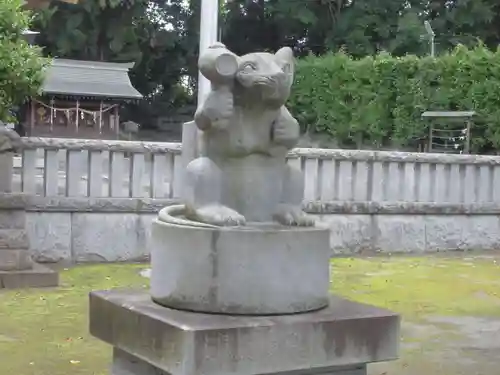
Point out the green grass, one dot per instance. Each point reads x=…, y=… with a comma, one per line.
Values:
x=420, y=286
x=45, y=332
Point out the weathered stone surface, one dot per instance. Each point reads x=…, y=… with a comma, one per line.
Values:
x=394, y=233
x=37, y=277
x=149, y=205
x=50, y=236
x=344, y=334
x=349, y=234
x=92, y=205
x=33, y=143
x=394, y=156
x=108, y=238
x=246, y=132
x=127, y=364
x=258, y=269
x=12, y=219
x=15, y=201
x=5, y=171
x=400, y=208
x=13, y=239
x=481, y=232
x=447, y=232
x=15, y=259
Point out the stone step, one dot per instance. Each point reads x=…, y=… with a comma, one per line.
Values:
x=15, y=259
x=37, y=277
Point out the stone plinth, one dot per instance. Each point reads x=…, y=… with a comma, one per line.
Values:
x=151, y=339
x=17, y=269
x=254, y=269
x=38, y=276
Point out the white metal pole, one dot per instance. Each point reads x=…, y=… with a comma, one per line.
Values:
x=209, y=17
x=208, y=36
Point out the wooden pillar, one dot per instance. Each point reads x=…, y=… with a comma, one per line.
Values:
x=77, y=115
x=467, y=137
x=32, y=117
x=117, y=121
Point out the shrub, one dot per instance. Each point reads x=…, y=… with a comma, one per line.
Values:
x=378, y=101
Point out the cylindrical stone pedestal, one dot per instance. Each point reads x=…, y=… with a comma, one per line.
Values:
x=258, y=269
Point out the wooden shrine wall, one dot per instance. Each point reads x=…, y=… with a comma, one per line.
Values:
x=42, y=121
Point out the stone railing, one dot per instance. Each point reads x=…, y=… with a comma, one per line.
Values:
x=97, y=168
x=382, y=176
x=93, y=200
x=94, y=168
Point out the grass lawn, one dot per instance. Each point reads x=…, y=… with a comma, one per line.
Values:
x=45, y=332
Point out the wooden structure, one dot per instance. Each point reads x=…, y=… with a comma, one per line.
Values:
x=446, y=139
x=80, y=99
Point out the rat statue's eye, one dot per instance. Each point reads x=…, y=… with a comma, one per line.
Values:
x=249, y=67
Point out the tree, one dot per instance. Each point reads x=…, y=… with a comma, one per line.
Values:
x=359, y=27
x=21, y=65
x=149, y=33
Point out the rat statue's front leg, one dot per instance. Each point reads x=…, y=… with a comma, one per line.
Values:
x=216, y=111
x=203, y=181
x=289, y=212
x=203, y=186
x=285, y=130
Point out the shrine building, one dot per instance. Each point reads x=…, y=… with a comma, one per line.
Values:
x=80, y=99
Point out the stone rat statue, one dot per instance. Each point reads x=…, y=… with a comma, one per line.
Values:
x=242, y=175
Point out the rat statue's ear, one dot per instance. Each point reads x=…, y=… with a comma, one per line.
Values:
x=218, y=64
x=285, y=59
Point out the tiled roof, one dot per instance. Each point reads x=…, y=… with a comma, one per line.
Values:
x=89, y=78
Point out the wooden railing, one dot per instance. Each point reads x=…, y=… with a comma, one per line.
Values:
x=97, y=168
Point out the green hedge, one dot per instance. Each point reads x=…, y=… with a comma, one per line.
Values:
x=378, y=101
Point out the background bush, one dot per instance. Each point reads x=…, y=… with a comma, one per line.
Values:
x=377, y=101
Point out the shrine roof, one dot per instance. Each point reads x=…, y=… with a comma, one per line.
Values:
x=89, y=78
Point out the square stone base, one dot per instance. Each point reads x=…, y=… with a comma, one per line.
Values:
x=127, y=364
x=37, y=277
x=150, y=339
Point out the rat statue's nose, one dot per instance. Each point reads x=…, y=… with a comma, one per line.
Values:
x=280, y=77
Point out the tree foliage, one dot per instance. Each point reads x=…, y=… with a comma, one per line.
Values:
x=359, y=27
x=377, y=101
x=149, y=33
x=161, y=36
x=21, y=66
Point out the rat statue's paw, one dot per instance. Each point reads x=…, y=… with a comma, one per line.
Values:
x=293, y=216
x=219, y=215
x=286, y=129
x=219, y=107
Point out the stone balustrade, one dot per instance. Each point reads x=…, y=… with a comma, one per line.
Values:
x=96, y=168
x=94, y=199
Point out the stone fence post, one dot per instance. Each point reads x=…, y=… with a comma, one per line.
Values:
x=17, y=270
x=6, y=169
